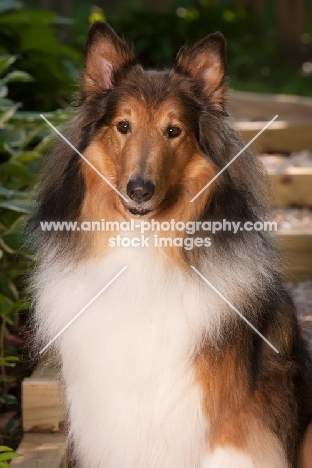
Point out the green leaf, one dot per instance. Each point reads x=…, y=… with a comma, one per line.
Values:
x=5, y=103
x=8, y=359
x=3, y=89
x=21, y=206
x=26, y=158
x=8, y=294
x=23, y=116
x=12, y=193
x=48, y=41
x=6, y=247
x=18, y=171
x=4, y=448
x=28, y=17
x=8, y=399
x=7, y=114
x=7, y=364
x=18, y=75
x=6, y=60
x=17, y=138
x=5, y=456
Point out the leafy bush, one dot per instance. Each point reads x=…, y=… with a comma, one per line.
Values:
x=257, y=60
x=32, y=35
x=23, y=136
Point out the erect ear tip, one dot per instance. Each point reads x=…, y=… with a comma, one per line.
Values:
x=100, y=28
x=217, y=40
x=217, y=35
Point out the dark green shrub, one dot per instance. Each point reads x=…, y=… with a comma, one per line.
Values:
x=23, y=136
x=31, y=35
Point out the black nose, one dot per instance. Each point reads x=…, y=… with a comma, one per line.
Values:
x=140, y=190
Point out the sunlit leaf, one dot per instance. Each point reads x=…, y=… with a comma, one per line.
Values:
x=18, y=75
x=6, y=456
x=6, y=60
x=3, y=89
x=7, y=114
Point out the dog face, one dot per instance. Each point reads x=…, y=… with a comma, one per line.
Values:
x=158, y=137
x=147, y=141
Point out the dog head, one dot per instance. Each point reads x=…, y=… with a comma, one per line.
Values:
x=146, y=123
x=158, y=138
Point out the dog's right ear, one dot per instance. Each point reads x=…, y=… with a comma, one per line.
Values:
x=106, y=55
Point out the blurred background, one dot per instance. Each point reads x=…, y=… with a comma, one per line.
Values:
x=269, y=42
x=41, y=56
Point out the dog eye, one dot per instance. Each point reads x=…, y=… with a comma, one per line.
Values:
x=123, y=127
x=174, y=132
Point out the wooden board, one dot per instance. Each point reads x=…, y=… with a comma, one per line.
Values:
x=292, y=131
x=281, y=136
x=292, y=188
x=42, y=407
x=263, y=107
x=42, y=451
x=296, y=249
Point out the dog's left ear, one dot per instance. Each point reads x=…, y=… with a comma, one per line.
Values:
x=205, y=62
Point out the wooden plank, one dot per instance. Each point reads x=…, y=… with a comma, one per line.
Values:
x=42, y=451
x=281, y=136
x=296, y=249
x=263, y=107
x=42, y=397
x=292, y=188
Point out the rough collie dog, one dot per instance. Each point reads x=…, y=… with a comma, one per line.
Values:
x=159, y=371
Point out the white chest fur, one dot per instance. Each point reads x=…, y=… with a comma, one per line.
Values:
x=128, y=359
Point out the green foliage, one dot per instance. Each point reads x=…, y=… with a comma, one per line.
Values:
x=257, y=61
x=7, y=454
x=158, y=35
x=32, y=36
x=23, y=138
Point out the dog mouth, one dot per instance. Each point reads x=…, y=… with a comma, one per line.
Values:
x=138, y=211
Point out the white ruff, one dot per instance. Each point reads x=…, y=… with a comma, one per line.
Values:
x=128, y=359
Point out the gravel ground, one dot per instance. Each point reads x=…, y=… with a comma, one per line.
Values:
x=302, y=296
x=294, y=218
x=279, y=163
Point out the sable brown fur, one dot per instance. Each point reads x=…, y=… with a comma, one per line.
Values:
x=251, y=395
